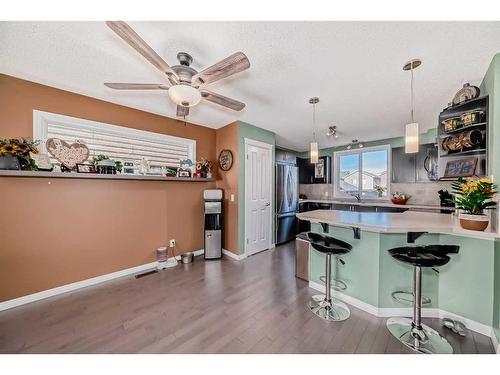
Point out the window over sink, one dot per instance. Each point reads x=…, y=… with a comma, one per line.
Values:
x=363, y=172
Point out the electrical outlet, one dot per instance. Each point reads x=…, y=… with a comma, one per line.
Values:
x=232, y=197
x=172, y=243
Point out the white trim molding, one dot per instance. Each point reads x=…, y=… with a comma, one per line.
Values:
x=336, y=170
x=42, y=119
x=405, y=312
x=494, y=339
x=233, y=255
x=269, y=147
x=74, y=286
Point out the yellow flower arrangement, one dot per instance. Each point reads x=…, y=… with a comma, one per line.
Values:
x=474, y=195
x=20, y=148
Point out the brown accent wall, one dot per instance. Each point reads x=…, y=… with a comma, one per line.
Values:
x=58, y=231
x=227, y=138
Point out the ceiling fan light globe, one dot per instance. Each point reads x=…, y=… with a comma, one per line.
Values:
x=184, y=95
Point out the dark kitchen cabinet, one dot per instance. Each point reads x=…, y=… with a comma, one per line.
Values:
x=284, y=156
x=411, y=168
x=307, y=173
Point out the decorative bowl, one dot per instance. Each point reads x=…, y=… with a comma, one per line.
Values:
x=399, y=201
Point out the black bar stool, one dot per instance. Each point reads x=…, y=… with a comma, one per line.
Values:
x=411, y=332
x=323, y=305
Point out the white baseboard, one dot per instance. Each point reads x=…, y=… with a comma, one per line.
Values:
x=470, y=324
x=494, y=339
x=5, y=305
x=74, y=286
x=402, y=312
x=233, y=255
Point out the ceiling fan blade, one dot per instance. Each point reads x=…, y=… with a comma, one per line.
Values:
x=222, y=100
x=230, y=65
x=125, y=32
x=182, y=111
x=136, y=86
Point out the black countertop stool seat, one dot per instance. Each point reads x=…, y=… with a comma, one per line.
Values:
x=411, y=332
x=323, y=305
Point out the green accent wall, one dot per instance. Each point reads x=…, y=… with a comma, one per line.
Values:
x=252, y=132
x=496, y=299
x=468, y=285
x=491, y=86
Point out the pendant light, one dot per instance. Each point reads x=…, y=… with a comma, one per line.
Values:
x=314, y=151
x=411, y=129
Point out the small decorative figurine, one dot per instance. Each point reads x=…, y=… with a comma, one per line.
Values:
x=185, y=169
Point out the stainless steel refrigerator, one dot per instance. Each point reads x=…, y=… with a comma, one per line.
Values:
x=287, y=202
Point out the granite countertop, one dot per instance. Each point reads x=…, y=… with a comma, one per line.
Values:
x=408, y=221
x=381, y=203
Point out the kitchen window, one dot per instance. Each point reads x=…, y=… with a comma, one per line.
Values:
x=118, y=142
x=361, y=171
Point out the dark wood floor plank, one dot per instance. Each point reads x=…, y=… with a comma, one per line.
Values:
x=224, y=306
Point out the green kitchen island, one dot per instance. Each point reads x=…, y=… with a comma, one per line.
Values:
x=467, y=288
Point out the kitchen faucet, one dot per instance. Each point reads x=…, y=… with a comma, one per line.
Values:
x=357, y=196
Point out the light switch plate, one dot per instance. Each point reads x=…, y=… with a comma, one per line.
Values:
x=231, y=197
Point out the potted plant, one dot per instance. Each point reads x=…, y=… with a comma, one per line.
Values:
x=20, y=149
x=473, y=197
x=400, y=198
x=100, y=158
x=380, y=190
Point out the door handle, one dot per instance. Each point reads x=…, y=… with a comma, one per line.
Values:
x=268, y=204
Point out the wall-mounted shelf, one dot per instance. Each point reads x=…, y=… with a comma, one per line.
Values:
x=479, y=151
x=481, y=125
x=96, y=176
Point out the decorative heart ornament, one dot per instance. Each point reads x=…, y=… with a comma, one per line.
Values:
x=68, y=155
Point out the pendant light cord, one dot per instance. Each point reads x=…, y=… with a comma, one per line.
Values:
x=411, y=85
x=314, y=122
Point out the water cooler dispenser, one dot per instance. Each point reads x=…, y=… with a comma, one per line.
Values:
x=213, y=223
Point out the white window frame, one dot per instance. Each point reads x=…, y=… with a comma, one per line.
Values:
x=336, y=170
x=41, y=120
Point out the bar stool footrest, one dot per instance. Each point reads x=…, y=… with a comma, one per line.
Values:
x=335, y=284
x=406, y=297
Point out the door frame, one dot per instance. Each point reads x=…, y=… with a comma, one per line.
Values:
x=270, y=147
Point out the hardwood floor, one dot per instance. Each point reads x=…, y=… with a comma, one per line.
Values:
x=252, y=306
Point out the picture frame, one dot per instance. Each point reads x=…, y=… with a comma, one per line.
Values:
x=85, y=168
x=461, y=168
x=319, y=169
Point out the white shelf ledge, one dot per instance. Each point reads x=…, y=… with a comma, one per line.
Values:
x=96, y=176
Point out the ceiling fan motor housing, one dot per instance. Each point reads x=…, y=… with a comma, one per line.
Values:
x=184, y=70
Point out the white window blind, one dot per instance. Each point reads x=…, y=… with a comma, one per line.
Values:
x=117, y=142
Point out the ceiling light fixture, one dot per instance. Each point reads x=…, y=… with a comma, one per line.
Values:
x=412, y=129
x=353, y=143
x=332, y=132
x=314, y=151
x=184, y=95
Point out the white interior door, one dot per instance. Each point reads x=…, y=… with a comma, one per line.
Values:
x=258, y=196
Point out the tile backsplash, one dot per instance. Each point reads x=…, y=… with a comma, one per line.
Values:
x=421, y=193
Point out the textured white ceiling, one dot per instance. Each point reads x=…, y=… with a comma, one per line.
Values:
x=354, y=67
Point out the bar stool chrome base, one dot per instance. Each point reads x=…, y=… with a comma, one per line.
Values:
x=425, y=340
x=331, y=311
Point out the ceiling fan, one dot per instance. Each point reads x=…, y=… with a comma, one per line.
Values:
x=185, y=85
